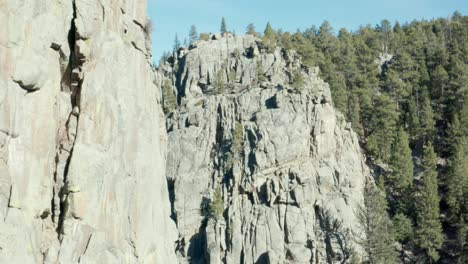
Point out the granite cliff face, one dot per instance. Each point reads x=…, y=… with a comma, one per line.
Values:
x=82, y=136
x=261, y=167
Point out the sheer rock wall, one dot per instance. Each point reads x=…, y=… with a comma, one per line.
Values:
x=82, y=136
x=259, y=127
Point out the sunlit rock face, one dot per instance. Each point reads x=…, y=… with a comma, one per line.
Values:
x=82, y=136
x=256, y=127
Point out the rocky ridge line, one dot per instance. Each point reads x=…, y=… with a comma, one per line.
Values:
x=261, y=167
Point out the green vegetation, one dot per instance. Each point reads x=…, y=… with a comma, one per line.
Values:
x=204, y=36
x=232, y=79
x=297, y=81
x=400, y=178
x=238, y=140
x=397, y=105
x=217, y=205
x=429, y=235
x=220, y=82
x=378, y=239
x=193, y=35
x=260, y=72
x=168, y=97
x=403, y=228
x=457, y=187
x=251, y=30
x=223, y=29
x=270, y=38
x=176, y=45
x=404, y=88
x=269, y=33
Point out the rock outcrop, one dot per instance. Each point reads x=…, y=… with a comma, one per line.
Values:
x=256, y=131
x=260, y=166
x=82, y=136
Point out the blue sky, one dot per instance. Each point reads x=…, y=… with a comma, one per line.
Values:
x=176, y=16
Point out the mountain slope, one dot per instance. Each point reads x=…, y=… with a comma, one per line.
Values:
x=256, y=139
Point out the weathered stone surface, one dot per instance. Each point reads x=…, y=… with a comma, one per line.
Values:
x=290, y=169
x=82, y=136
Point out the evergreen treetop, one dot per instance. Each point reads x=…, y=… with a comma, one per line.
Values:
x=429, y=234
x=223, y=26
x=193, y=34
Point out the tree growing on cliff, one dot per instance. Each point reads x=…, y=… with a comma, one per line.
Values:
x=251, y=30
x=220, y=82
x=238, y=140
x=217, y=204
x=223, y=26
x=270, y=36
x=169, y=98
x=193, y=35
x=297, y=80
x=176, y=45
x=269, y=31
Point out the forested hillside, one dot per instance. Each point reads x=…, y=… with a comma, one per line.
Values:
x=411, y=114
x=404, y=89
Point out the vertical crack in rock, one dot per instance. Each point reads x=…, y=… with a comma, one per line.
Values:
x=72, y=79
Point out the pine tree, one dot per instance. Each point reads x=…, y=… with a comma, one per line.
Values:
x=354, y=114
x=269, y=31
x=193, y=35
x=345, y=58
x=251, y=30
x=164, y=57
x=326, y=37
x=429, y=236
x=269, y=36
x=385, y=28
x=457, y=187
x=455, y=135
x=177, y=44
x=223, y=26
x=426, y=117
x=297, y=81
x=396, y=87
x=412, y=119
x=378, y=241
x=400, y=179
x=403, y=228
x=464, y=116
x=458, y=85
x=383, y=126
x=439, y=81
